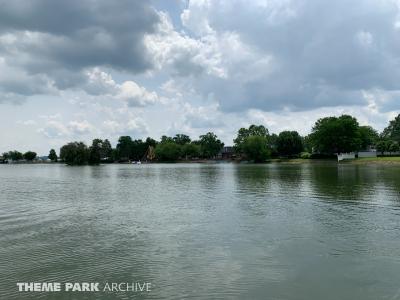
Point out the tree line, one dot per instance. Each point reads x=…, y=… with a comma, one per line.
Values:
x=329, y=135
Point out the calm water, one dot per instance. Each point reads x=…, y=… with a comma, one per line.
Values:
x=221, y=231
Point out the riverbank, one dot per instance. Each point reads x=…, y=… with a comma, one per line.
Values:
x=363, y=161
x=375, y=160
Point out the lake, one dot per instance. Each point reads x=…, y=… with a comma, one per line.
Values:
x=203, y=231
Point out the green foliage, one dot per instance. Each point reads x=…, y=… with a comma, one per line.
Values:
x=392, y=132
x=307, y=143
x=255, y=147
x=368, y=136
x=244, y=133
x=289, y=143
x=100, y=151
x=14, y=155
x=273, y=144
x=106, y=150
x=336, y=135
x=150, y=142
x=167, y=139
x=30, y=155
x=53, y=155
x=394, y=147
x=191, y=150
x=381, y=146
x=168, y=151
x=182, y=139
x=210, y=145
x=124, y=148
x=128, y=149
x=74, y=153
x=95, y=152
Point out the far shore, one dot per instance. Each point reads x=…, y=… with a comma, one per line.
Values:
x=394, y=160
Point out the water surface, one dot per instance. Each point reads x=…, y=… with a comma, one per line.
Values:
x=199, y=231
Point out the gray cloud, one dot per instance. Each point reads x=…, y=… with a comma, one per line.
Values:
x=56, y=40
x=320, y=53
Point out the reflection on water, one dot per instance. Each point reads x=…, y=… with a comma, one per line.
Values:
x=273, y=231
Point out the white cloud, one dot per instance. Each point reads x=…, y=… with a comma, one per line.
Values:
x=136, y=95
x=132, y=126
x=80, y=127
x=54, y=128
x=101, y=83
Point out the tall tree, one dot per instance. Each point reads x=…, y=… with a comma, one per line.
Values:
x=30, y=155
x=124, y=148
x=255, y=147
x=368, y=136
x=243, y=133
x=95, y=152
x=53, y=155
x=15, y=155
x=106, y=150
x=393, y=130
x=210, y=145
x=336, y=135
x=394, y=147
x=150, y=142
x=74, y=153
x=182, y=139
x=289, y=143
x=165, y=139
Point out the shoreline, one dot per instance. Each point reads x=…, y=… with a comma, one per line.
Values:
x=395, y=160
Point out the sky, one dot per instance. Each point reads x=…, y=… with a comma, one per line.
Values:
x=77, y=70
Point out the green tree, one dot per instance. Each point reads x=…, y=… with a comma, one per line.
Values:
x=75, y=153
x=368, y=136
x=167, y=151
x=210, y=145
x=336, y=135
x=393, y=130
x=95, y=152
x=273, y=144
x=124, y=146
x=6, y=155
x=289, y=143
x=53, y=155
x=394, y=147
x=150, y=142
x=255, y=147
x=191, y=150
x=182, y=139
x=381, y=146
x=165, y=139
x=243, y=133
x=307, y=143
x=138, y=150
x=15, y=155
x=106, y=150
x=30, y=155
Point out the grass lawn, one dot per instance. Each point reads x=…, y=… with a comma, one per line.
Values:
x=386, y=160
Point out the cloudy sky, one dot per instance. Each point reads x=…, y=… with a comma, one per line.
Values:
x=76, y=70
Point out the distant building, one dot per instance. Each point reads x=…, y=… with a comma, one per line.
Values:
x=226, y=152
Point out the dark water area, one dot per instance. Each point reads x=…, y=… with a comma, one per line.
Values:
x=203, y=231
